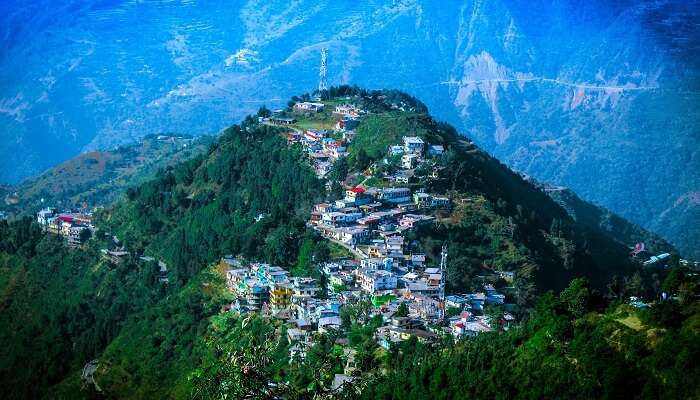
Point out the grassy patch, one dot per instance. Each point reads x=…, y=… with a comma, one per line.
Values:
x=631, y=321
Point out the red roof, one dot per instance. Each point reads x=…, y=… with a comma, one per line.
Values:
x=358, y=190
x=65, y=218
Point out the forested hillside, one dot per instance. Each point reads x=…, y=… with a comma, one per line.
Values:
x=250, y=195
x=100, y=177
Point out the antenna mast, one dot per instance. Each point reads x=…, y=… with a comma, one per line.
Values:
x=443, y=279
x=322, y=84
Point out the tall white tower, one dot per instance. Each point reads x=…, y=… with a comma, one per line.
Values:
x=322, y=84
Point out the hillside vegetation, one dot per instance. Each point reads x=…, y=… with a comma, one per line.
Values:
x=250, y=194
x=100, y=177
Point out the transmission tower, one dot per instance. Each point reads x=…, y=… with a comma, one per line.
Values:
x=322, y=84
x=443, y=279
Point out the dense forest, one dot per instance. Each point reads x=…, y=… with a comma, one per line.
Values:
x=250, y=194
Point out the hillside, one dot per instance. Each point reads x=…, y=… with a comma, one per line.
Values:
x=251, y=195
x=100, y=177
x=605, y=221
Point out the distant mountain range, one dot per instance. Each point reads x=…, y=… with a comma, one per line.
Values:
x=597, y=96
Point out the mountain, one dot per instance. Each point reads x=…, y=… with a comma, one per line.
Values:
x=100, y=177
x=81, y=324
x=594, y=95
x=603, y=220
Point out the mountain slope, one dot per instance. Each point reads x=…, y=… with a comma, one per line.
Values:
x=151, y=338
x=100, y=177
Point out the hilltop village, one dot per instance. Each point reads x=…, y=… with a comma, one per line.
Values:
x=378, y=274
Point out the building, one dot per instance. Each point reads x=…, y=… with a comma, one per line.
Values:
x=409, y=161
x=114, y=256
x=373, y=280
x=76, y=233
x=413, y=144
x=336, y=218
x=395, y=150
x=313, y=135
x=44, y=216
x=282, y=121
x=469, y=325
x=281, y=295
x=357, y=196
x=347, y=110
x=305, y=287
x=255, y=294
x=410, y=221
x=395, y=195
x=307, y=106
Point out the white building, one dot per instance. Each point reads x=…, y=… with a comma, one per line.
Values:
x=413, y=144
x=409, y=161
x=371, y=280
x=308, y=106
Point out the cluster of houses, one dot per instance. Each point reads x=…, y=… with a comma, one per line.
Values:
x=376, y=217
x=324, y=147
x=76, y=227
x=413, y=153
x=307, y=307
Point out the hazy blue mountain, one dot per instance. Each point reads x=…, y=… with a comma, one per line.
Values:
x=598, y=96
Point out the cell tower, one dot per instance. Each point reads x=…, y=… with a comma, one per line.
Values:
x=322, y=84
x=443, y=279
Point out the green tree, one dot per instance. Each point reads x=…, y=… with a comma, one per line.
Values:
x=576, y=297
x=402, y=310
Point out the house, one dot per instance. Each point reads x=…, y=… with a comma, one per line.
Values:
x=456, y=301
x=43, y=216
x=439, y=202
x=348, y=135
x=395, y=150
x=469, y=325
x=394, y=245
x=347, y=109
x=116, y=256
x=322, y=168
x=410, y=221
x=314, y=135
x=75, y=234
x=338, y=151
x=409, y=161
x=336, y=218
x=293, y=137
x=307, y=106
x=395, y=195
x=357, y=196
x=387, y=335
x=422, y=200
x=413, y=144
x=655, y=259
x=417, y=260
x=281, y=295
x=282, y=120
x=353, y=235
x=305, y=287
x=373, y=280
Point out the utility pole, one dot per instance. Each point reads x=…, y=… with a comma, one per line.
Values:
x=322, y=84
